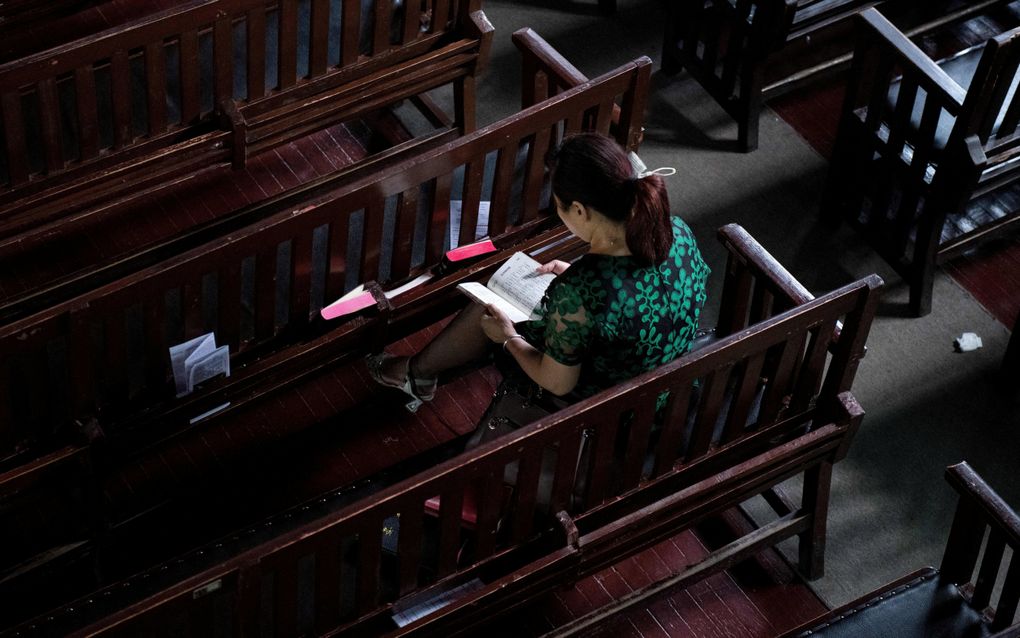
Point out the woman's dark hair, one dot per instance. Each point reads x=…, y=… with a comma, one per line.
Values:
x=594, y=170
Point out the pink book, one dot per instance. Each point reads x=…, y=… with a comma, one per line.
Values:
x=348, y=304
x=471, y=250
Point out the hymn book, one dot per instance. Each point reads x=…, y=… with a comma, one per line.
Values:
x=516, y=288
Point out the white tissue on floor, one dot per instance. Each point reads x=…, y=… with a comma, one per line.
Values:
x=967, y=341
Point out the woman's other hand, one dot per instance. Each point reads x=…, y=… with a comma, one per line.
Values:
x=555, y=266
x=496, y=325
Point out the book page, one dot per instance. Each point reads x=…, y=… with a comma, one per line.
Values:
x=518, y=283
x=180, y=354
x=485, y=296
x=206, y=367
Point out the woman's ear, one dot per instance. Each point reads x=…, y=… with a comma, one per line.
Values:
x=577, y=208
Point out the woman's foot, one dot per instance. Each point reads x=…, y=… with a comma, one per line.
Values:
x=395, y=372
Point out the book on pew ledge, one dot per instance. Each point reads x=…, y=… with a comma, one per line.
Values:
x=360, y=298
x=465, y=255
x=196, y=361
x=516, y=288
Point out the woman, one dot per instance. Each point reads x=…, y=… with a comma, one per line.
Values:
x=627, y=306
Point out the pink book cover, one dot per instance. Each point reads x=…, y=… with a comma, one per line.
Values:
x=347, y=306
x=471, y=250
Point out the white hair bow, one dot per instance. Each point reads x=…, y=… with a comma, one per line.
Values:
x=641, y=171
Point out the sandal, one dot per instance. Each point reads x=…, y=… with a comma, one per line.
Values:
x=414, y=388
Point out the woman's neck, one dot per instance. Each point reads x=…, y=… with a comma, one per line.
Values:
x=608, y=238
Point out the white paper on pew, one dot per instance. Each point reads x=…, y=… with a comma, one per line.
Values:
x=207, y=366
x=481, y=229
x=182, y=352
x=412, y=608
x=209, y=413
x=414, y=283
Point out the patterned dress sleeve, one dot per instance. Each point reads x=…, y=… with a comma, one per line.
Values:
x=568, y=330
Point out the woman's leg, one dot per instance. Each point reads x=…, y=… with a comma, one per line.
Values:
x=460, y=342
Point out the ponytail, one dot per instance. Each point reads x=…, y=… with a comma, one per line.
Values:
x=649, y=231
x=594, y=170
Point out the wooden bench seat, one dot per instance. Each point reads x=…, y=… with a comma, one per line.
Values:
x=801, y=351
x=923, y=161
x=745, y=51
x=109, y=388
x=958, y=599
x=120, y=113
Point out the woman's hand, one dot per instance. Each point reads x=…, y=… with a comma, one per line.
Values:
x=555, y=266
x=496, y=325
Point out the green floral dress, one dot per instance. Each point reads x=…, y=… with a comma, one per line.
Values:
x=617, y=319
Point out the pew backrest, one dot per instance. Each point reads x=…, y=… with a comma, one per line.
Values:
x=103, y=354
x=645, y=478
x=212, y=82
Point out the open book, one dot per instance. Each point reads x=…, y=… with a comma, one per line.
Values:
x=198, y=360
x=516, y=288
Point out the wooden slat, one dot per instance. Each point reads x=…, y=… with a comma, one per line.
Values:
x=49, y=116
x=637, y=443
x=736, y=296
x=674, y=424
x=81, y=371
x=115, y=368
x=403, y=233
x=450, y=506
x=120, y=83
x=228, y=305
x=191, y=306
x=412, y=21
x=409, y=545
x=708, y=412
x=369, y=553
x=328, y=565
x=439, y=218
x=501, y=185
x=288, y=44
x=265, y=292
x=156, y=354
x=525, y=493
x=779, y=378
x=471, y=196
x=300, y=278
x=285, y=598
x=371, y=241
x=223, y=63
x=14, y=137
x=381, y=30
x=810, y=375
x=566, y=466
x=349, y=38
x=534, y=177
x=489, y=504
x=256, y=30
x=440, y=16
x=743, y=396
x=318, y=53
x=155, y=86
x=37, y=384
x=191, y=100
x=8, y=435
x=989, y=570
x=602, y=466
x=336, y=276
x=1009, y=597
x=88, y=119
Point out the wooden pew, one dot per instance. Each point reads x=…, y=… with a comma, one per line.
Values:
x=793, y=355
x=1011, y=360
x=958, y=599
x=116, y=398
x=920, y=157
x=126, y=111
x=745, y=52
